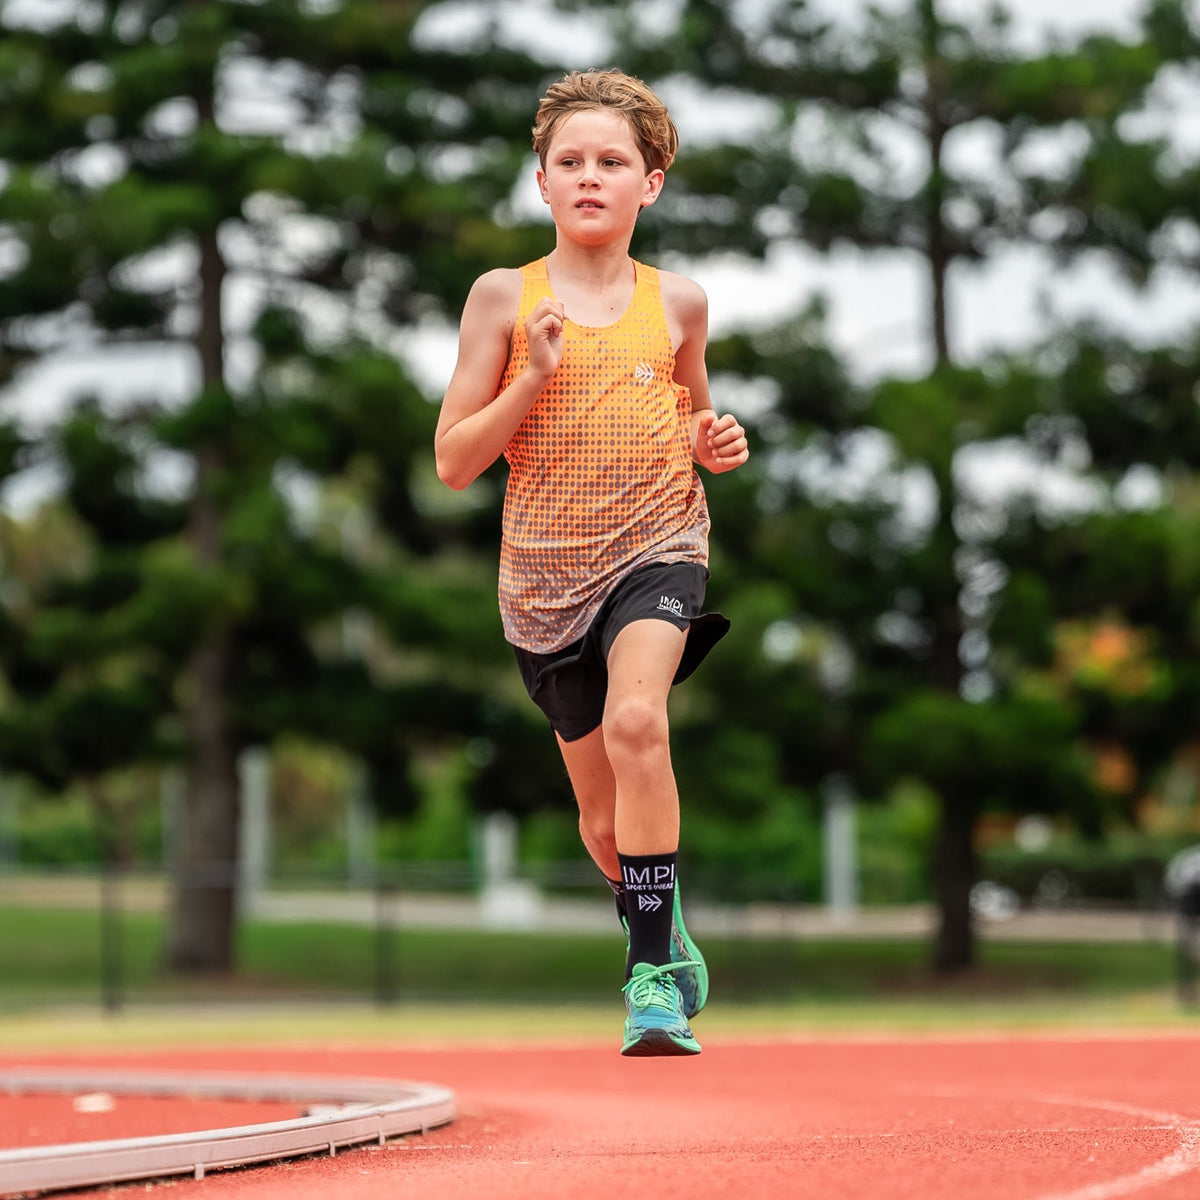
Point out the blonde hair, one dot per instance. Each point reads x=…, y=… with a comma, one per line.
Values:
x=651, y=124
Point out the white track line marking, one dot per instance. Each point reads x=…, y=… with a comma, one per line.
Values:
x=1181, y=1161
x=1184, y=1159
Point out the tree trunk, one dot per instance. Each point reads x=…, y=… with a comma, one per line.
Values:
x=204, y=897
x=937, y=253
x=204, y=867
x=953, y=878
x=954, y=856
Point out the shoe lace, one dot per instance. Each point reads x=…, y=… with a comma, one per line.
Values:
x=656, y=989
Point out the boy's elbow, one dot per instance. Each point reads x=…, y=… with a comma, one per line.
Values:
x=452, y=474
x=451, y=478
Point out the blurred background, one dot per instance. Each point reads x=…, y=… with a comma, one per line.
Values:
x=260, y=734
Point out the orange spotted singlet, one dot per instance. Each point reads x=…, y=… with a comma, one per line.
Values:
x=601, y=479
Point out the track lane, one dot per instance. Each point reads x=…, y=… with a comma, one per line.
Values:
x=1026, y=1118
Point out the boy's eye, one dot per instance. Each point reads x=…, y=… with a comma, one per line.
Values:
x=571, y=160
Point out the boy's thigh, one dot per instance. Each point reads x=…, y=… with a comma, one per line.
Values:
x=669, y=593
x=643, y=660
x=571, y=686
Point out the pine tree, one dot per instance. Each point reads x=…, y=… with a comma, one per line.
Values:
x=263, y=193
x=863, y=154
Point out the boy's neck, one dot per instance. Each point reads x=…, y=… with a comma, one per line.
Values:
x=595, y=289
x=600, y=267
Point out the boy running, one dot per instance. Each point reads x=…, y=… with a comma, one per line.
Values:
x=586, y=370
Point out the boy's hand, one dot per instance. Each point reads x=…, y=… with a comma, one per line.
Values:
x=720, y=442
x=543, y=329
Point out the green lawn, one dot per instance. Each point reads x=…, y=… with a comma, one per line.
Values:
x=54, y=956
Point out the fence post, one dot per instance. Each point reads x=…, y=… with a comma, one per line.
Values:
x=112, y=949
x=1182, y=880
x=386, y=976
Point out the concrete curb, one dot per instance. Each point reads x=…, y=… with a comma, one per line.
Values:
x=341, y=1112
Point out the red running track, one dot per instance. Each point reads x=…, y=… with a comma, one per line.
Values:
x=1026, y=1118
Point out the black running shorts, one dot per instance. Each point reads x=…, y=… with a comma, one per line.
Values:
x=570, y=685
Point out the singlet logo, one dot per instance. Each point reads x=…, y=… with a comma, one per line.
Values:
x=671, y=604
x=643, y=373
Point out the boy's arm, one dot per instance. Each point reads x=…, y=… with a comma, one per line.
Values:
x=475, y=424
x=718, y=443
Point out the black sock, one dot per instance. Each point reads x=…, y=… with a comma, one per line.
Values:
x=618, y=891
x=649, y=885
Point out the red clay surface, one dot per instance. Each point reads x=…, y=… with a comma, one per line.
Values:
x=1027, y=1118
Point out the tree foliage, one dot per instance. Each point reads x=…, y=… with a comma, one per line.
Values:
x=870, y=511
x=272, y=197
x=265, y=193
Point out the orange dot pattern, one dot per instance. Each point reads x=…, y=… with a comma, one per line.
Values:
x=601, y=478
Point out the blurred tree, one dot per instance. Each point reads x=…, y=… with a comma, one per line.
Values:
x=868, y=509
x=91, y=624
x=263, y=194
x=278, y=188
x=1103, y=601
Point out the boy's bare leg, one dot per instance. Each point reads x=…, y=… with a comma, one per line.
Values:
x=641, y=666
x=621, y=773
x=625, y=787
x=595, y=789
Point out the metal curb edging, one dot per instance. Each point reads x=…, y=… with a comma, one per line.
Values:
x=342, y=1112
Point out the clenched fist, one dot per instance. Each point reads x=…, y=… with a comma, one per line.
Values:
x=543, y=329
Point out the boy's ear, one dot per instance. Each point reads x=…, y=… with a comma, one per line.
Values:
x=541, y=182
x=654, y=185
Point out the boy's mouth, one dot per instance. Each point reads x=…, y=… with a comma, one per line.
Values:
x=588, y=204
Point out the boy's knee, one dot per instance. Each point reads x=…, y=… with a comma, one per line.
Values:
x=597, y=832
x=633, y=727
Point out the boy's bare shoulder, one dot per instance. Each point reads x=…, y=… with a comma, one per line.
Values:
x=493, y=302
x=685, y=296
x=499, y=284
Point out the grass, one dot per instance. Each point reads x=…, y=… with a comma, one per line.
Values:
x=50, y=956
x=147, y=1029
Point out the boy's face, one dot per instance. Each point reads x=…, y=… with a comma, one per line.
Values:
x=595, y=179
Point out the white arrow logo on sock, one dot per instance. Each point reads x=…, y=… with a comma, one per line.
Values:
x=653, y=903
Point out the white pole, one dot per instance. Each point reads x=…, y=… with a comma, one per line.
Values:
x=254, y=844
x=172, y=789
x=841, y=851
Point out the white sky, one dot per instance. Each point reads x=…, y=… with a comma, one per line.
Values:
x=876, y=303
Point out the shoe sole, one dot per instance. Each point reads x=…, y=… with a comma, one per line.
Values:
x=692, y=952
x=657, y=1043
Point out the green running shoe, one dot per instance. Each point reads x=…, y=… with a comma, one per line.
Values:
x=692, y=976
x=655, y=1024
